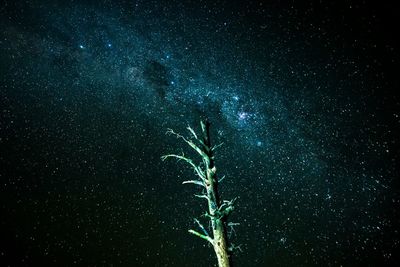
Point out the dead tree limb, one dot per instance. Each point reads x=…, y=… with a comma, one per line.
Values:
x=217, y=210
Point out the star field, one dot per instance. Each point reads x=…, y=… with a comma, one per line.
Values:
x=301, y=96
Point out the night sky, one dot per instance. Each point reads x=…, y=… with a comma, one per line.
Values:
x=300, y=94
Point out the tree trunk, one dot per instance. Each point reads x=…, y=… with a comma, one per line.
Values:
x=217, y=210
x=220, y=246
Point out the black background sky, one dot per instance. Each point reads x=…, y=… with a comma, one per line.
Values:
x=302, y=94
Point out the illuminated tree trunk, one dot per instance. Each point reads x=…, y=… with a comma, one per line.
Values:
x=217, y=211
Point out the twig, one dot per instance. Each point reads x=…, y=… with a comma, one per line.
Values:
x=209, y=239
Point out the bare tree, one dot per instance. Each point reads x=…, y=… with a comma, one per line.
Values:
x=217, y=211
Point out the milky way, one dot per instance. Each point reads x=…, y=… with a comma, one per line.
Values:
x=298, y=95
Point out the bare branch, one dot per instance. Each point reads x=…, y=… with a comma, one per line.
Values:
x=226, y=208
x=198, y=182
x=211, y=217
x=192, y=132
x=216, y=146
x=201, y=227
x=189, y=142
x=234, y=247
x=203, y=128
x=206, y=148
x=197, y=169
x=203, y=196
x=209, y=239
x=231, y=230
